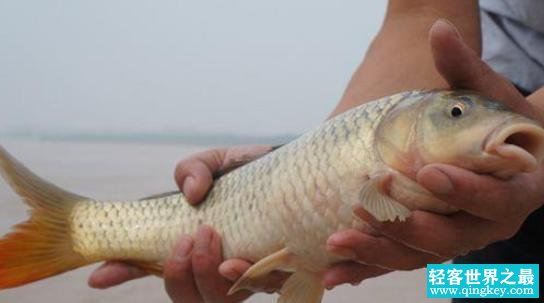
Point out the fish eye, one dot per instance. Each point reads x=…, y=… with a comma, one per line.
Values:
x=457, y=110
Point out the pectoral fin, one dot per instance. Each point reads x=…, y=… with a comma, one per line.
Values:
x=301, y=287
x=275, y=261
x=376, y=200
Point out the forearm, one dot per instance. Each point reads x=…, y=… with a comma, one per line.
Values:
x=399, y=57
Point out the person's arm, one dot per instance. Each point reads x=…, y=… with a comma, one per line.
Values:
x=399, y=57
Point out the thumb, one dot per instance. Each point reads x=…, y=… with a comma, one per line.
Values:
x=462, y=68
x=194, y=176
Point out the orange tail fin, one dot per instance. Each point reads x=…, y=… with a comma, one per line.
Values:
x=42, y=246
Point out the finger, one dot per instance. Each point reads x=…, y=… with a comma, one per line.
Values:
x=114, y=273
x=233, y=269
x=481, y=195
x=444, y=236
x=178, y=276
x=380, y=251
x=462, y=68
x=194, y=175
x=206, y=259
x=350, y=272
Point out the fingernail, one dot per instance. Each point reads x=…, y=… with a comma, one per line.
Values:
x=183, y=250
x=436, y=181
x=327, y=283
x=342, y=252
x=336, y=245
x=447, y=25
x=187, y=185
x=229, y=273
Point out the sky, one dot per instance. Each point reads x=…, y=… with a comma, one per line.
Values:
x=222, y=67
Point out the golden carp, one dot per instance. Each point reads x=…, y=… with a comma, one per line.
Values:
x=279, y=210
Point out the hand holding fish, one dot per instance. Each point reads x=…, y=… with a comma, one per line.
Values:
x=493, y=209
x=196, y=272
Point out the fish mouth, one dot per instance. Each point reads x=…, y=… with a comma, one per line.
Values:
x=521, y=144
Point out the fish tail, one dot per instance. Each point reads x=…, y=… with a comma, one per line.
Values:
x=42, y=246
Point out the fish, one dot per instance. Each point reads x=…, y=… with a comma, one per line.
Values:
x=278, y=210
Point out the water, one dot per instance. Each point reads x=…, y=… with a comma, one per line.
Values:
x=150, y=138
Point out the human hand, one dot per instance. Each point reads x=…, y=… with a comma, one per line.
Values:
x=195, y=272
x=192, y=273
x=195, y=174
x=491, y=209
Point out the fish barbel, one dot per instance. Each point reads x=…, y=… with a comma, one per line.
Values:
x=279, y=209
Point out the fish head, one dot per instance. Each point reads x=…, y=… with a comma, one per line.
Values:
x=460, y=128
